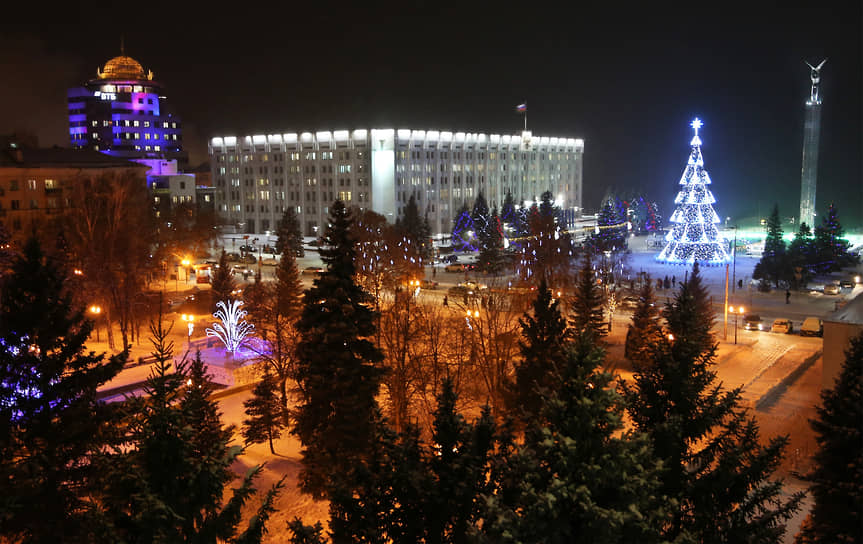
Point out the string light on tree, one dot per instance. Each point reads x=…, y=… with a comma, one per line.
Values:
x=693, y=235
x=234, y=329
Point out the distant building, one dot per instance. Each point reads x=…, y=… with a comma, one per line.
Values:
x=205, y=193
x=839, y=328
x=124, y=113
x=257, y=177
x=35, y=183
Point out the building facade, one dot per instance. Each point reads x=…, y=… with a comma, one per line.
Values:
x=123, y=113
x=257, y=177
x=35, y=183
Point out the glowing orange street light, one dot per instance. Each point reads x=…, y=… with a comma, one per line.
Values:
x=96, y=310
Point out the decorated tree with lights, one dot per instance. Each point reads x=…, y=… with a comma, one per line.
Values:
x=693, y=235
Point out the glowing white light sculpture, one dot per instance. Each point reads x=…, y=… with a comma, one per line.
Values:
x=234, y=329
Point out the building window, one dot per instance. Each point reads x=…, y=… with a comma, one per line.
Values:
x=182, y=185
x=31, y=184
x=135, y=123
x=50, y=184
x=15, y=205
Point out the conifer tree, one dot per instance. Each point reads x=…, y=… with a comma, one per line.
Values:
x=165, y=479
x=50, y=421
x=715, y=468
x=645, y=328
x=831, y=246
x=274, y=308
x=336, y=369
x=578, y=477
x=462, y=224
x=411, y=492
x=612, y=228
x=801, y=256
x=223, y=284
x=773, y=266
x=837, y=476
x=264, y=410
x=416, y=228
x=508, y=213
x=491, y=244
x=587, y=302
x=290, y=238
x=542, y=346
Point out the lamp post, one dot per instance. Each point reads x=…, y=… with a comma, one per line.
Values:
x=190, y=320
x=186, y=263
x=736, y=311
x=96, y=310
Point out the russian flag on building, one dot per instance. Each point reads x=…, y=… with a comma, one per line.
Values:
x=521, y=108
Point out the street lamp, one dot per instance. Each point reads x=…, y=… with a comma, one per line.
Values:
x=96, y=310
x=736, y=311
x=190, y=320
x=186, y=263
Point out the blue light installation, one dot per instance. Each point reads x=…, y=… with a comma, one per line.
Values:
x=693, y=235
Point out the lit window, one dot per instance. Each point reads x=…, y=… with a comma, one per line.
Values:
x=146, y=123
x=146, y=148
x=50, y=184
x=135, y=123
x=137, y=135
x=31, y=184
x=146, y=135
x=157, y=148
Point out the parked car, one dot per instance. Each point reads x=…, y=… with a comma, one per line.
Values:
x=846, y=284
x=812, y=326
x=312, y=270
x=449, y=259
x=782, y=326
x=429, y=284
x=831, y=289
x=752, y=322
x=454, y=267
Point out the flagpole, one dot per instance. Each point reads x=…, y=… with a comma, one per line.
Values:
x=525, y=116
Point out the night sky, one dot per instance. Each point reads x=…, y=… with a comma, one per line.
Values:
x=627, y=80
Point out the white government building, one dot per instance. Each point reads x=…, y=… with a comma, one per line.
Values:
x=256, y=177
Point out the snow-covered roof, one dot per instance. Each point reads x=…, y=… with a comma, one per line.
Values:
x=852, y=312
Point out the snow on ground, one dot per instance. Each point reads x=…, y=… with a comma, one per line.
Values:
x=757, y=361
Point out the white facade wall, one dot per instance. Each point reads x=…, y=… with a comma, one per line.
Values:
x=256, y=177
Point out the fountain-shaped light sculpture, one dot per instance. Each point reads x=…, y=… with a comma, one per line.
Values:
x=234, y=329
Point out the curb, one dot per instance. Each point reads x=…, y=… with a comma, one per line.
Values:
x=772, y=395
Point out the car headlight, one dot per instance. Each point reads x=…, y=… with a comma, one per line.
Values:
x=760, y=327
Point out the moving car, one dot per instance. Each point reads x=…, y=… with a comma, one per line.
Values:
x=454, y=267
x=812, y=326
x=831, y=289
x=782, y=326
x=752, y=322
x=313, y=270
x=429, y=284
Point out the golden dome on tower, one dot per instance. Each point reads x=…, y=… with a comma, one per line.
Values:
x=123, y=67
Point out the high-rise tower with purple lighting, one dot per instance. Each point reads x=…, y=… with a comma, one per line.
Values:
x=123, y=113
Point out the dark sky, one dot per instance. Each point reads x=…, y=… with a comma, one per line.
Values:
x=626, y=79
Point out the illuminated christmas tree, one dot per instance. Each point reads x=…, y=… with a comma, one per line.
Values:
x=693, y=235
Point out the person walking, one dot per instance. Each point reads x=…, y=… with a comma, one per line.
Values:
x=445, y=301
x=787, y=296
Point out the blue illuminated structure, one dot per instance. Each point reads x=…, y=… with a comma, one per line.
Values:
x=693, y=235
x=122, y=113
